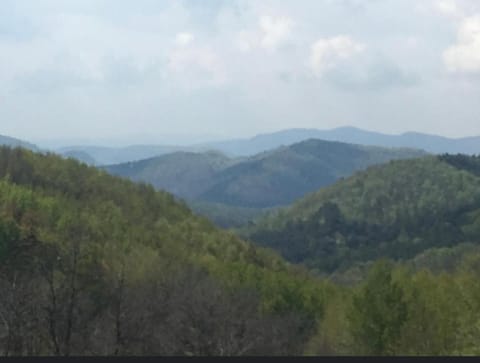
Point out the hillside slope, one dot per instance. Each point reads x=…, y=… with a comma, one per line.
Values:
x=396, y=210
x=93, y=264
x=12, y=142
x=116, y=155
x=279, y=177
x=269, y=179
x=184, y=174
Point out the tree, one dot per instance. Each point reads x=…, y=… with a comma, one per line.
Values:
x=378, y=312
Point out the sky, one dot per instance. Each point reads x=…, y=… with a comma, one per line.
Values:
x=159, y=71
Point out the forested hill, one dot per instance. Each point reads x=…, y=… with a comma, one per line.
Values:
x=184, y=174
x=396, y=210
x=10, y=141
x=269, y=179
x=103, y=155
x=93, y=264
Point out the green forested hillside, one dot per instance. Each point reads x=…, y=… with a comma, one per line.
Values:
x=266, y=180
x=225, y=216
x=93, y=264
x=396, y=210
x=284, y=175
x=184, y=174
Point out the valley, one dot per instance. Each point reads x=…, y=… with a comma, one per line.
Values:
x=332, y=248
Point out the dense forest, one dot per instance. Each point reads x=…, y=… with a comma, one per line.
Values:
x=396, y=210
x=92, y=264
x=218, y=186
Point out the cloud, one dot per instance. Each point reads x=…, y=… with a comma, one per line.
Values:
x=328, y=53
x=464, y=56
x=275, y=31
x=244, y=65
x=271, y=33
x=183, y=39
x=375, y=75
x=456, y=9
x=448, y=8
x=194, y=67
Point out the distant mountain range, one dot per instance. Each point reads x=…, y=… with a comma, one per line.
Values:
x=430, y=143
x=12, y=142
x=249, y=147
x=102, y=155
x=265, y=180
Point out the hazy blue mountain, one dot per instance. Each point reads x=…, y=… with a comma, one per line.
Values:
x=113, y=155
x=266, y=180
x=80, y=156
x=10, y=141
x=281, y=176
x=261, y=143
x=352, y=135
x=184, y=174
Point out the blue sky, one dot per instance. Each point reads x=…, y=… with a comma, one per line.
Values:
x=159, y=71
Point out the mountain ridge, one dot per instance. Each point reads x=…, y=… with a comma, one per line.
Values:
x=13, y=142
x=395, y=210
x=244, y=147
x=268, y=179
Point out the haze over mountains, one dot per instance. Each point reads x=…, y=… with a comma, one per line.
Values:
x=102, y=155
x=12, y=142
x=264, y=142
x=430, y=143
x=268, y=179
x=239, y=178
x=136, y=264
x=93, y=263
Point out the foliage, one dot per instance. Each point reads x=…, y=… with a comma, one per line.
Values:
x=397, y=210
x=378, y=312
x=93, y=264
x=269, y=179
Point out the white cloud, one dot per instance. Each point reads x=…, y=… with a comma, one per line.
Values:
x=447, y=7
x=83, y=46
x=275, y=31
x=196, y=67
x=271, y=33
x=464, y=56
x=456, y=9
x=246, y=41
x=183, y=39
x=247, y=60
x=327, y=53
